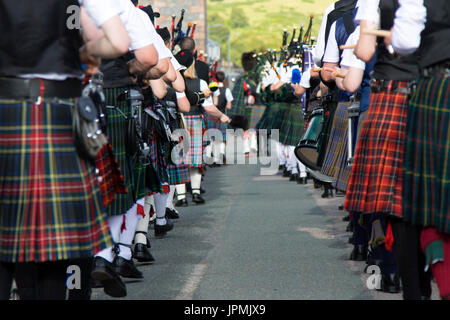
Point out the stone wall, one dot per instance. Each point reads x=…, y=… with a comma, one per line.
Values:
x=196, y=12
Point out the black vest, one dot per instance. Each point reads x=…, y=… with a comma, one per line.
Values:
x=222, y=99
x=388, y=66
x=115, y=72
x=34, y=38
x=435, y=44
x=194, y=85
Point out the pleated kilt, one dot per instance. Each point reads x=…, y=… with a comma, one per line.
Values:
x=426, y=192
x=340, y=179
x=293, y=124
x=214, y=123
x=179, y=174
x=257, y=112
x=116, y=132
x=50, y=203
x=263, y=123
x=376, y=179
x=196, y=130
x=337, y=142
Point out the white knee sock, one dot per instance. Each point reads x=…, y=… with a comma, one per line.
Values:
x=142, y=224
x=280, y=153
x=114, y=224
x=127, y=234
x=253, y=142
x=181, y=191
x=196, y=180
x=302, y=168
x=170, y=198
x=292, y=159
x=160, y=206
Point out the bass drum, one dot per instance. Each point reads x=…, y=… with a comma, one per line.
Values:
x=307, y=150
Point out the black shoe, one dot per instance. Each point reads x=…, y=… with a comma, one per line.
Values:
x=281, y=167
x=350, y=227
x=181, y=203
x=302, y=181
x=197, y=198
x=350, y=240
x=202, y=190
x=126, y=268
x=390, y=283
x=161, y=230
x=171, y=214
x=142, y=254
x=328, y=193
x=359, y=253
x=341, y=208
x=286, y=173
x=346, y=218
x=104, y=273
x=294, y=177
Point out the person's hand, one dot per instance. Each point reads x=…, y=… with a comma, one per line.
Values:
x=298, y=90
x=224, y=118
x=207, y=93
x=92, y=63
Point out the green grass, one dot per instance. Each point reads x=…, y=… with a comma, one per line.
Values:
x=259, y=24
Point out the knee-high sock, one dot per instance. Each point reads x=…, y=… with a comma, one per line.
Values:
x=196, y=180
x=128, y=231
x=160, y=207
x=142, y=224
x=302, y=168
x=114, y=223
x=292, y=160
x=170, y=198
x=280, y=153
x=209, y=150
x=222, y=148
x=216, y=152
x=181, y=191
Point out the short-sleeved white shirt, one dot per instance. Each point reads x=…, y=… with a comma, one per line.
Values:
x=208, y=101
x=305, y=80
x=228, y=94
x=348, y=57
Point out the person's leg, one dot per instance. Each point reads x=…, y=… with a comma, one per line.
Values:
x=6, y=279
x=51, y=280
x=84, y=293
x=162, y=225
x=142, y=244
x=196, y=181
x=360, y=239
x=115, y=224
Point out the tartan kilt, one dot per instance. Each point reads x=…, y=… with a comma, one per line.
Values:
x=376, y=179
x=278, y=117
x=196, y=130
x=50, y=202
x=263, y=123
x=340, y=179
x=256, y=115
x=293, y=124
x=426, y=192
x=179, y=174
x=337, y=142
x=116, y=132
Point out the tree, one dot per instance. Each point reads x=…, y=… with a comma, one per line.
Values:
x=238, y=18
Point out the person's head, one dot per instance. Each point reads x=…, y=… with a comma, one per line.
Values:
x=248, y=61
x=186, y=59
x=220, y=76
x=135, y=2
x=187, y=43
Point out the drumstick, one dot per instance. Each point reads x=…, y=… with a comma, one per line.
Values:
x=348, y=46
x=378, y=33
x=338, y=75
x=316, y=69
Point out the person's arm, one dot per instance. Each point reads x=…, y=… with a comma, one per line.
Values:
x=171, y=75
x=179, y=84
x=331, y=56
x=159, y=88
x=276, y=86
x=367, y=43
x=183, y=102
x=159, y=70
x=409, y=22
x=212, y=110
x=109, y=42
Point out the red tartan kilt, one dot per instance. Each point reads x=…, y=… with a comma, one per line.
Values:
x=375, y=183
x=50, y=203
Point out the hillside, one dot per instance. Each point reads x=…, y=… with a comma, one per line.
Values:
x=259, y=24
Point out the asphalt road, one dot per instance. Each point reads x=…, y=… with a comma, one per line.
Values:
x=257, y=237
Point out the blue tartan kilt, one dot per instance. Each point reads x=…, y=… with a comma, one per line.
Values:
x=50, y=202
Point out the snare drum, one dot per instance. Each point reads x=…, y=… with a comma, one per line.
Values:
x=307, y=150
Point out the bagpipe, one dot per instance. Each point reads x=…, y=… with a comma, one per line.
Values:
x=176, y=29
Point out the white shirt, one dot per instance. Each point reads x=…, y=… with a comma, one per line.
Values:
x=369, y=10
x=409, y=23
x=228, y=94
x=305, y=80
x=332, y=50
x=319, y=50
x=208, y=101
x=348, y=57
x=148, y=28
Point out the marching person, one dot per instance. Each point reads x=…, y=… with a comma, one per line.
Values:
x=63, y=220
x=420, y=25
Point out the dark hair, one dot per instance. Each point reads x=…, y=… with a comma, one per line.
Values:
x=187, y=43
x=247, y=61
x=220, y=76
x=135, y=2
x=164, y=33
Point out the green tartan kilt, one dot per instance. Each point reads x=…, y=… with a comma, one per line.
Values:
x=426, y=191
x=116, y=132
x=293, y=124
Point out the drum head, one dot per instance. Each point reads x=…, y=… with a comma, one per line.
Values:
x=307, y=155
